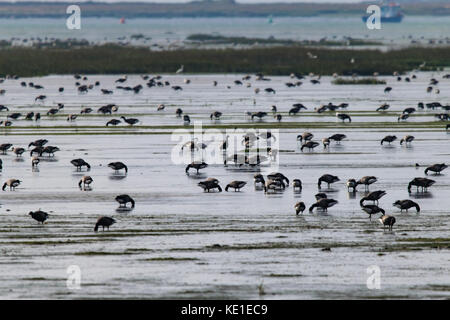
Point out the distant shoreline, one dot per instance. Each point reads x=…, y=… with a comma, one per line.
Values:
x=222, y=8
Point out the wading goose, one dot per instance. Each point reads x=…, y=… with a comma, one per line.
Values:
x=34, y=162
x=186, y=119
x=299, y=207
x=37, y=116
x=104, y=222
x=29, y=116
x=259, y=180
x=388, y=139
x=40, y=98
x=215, y=115
x=130, y=121
x=338, y=137
x=436, y=168
x=85, y=180
x=52, y=111
x=406, y=204
x=278, y=176
x=403, y=117
x=18, y=151
x=279, y=117
x=113, y=122
x=210, y=184
x=325, y=142
x=86, y=110
x=116, y=166
x=179, y=112
x=274, y=185
x=196, y=165
x=38, y=143
x=259, y=115
x=236, y=185
x=297, y=185
x=50, y=150
x=71, y=117
x=407, y=139
x=374, y=196
x=6, y=123
x=371, y=209
x=423, y=183
x=387, y=89
x=14, y=116
x=387, y=221
x=351, y=184
x=383, y=107
x=11, y=183
x=324, y=204
x=310, y=145
x=328, y=179
x=367, y=181
x=292, y=111
x=5, y=147
x=37, y=150
x=78, y=163
x=110, y=108
x=39, y=216
x=306, y=136
x=123, y=199
x=343, y=117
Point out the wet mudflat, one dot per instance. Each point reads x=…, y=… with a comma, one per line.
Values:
x=180, y=242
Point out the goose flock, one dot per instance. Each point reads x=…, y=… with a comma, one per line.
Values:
x=274, y=182
x=80, y=164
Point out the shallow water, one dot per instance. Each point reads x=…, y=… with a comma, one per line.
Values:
x=179, y=242
x=171, y=33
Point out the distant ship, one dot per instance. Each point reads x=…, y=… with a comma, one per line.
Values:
x=391, y=12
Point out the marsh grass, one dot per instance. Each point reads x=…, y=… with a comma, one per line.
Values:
x=282, y=60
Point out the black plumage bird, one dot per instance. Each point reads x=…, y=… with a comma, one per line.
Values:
x=436, y=168
x=374, y=196
x=116, y=166
x=406, y=204
x=104, y=222
x=324, y=204
x=299, y=207
x=195, y=165
x=130, y=121
x=419, y=182
x=327, y=178
x=38, y=143
x=371, y=209
x=387, y=221
x=123, y=199
x=39, y=215
x=78, y=163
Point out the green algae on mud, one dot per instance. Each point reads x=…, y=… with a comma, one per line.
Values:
x=137, y=130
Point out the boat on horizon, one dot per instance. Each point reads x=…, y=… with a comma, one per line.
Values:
x=391, y=12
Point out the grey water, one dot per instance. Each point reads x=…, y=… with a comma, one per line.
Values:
x=173, y=32
x=180, y=242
